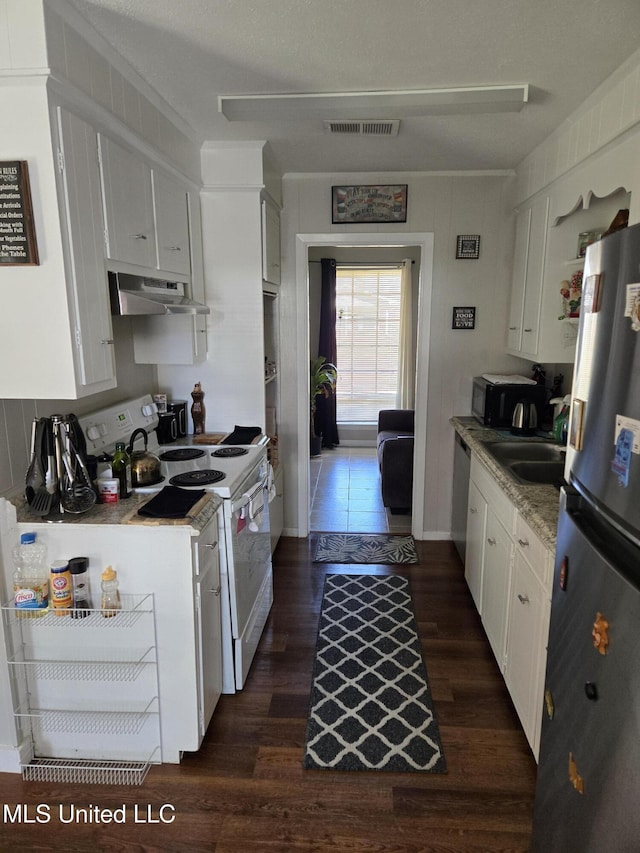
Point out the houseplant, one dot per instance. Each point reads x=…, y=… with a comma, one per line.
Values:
x=323, y=378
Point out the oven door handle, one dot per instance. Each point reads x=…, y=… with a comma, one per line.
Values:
x=245, y=498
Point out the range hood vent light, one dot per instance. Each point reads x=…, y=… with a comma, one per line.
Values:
x=132, y=295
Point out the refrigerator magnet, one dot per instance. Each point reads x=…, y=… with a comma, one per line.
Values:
x=622, y=457
x=632, y=306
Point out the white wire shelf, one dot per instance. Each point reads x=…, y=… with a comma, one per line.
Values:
x=88, y=771
x=121, y=664
x=133, y=608
x=104, y=722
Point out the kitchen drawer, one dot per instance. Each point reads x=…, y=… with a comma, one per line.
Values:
x=504, y=510
x=534, y=551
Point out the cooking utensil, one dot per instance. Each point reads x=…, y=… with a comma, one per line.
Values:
x=76, y=493
x=145, y=466
x=51, y=476
x=42, y=501
x=31, y=470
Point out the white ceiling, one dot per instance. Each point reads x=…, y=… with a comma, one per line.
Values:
x=191, y=51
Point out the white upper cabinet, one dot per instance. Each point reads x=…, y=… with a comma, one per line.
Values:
x=128, y=206
x=170, y=202
x=526, y=288
x=88, y=293
x=270, y=243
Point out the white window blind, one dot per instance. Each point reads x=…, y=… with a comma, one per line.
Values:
x=367, y=338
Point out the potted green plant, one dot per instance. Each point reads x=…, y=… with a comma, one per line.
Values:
x=322, y=380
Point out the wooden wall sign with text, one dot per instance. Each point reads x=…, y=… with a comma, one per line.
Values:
x=18, y=245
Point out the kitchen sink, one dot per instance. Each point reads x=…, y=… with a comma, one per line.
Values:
x=530, y=462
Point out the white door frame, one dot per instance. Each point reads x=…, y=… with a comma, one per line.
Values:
x=424, y=240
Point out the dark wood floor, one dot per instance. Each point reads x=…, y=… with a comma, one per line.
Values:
x=245, y=790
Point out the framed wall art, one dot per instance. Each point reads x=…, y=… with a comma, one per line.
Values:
x=468, y=246
x=464, y=317
x=370, y=203
x=18, y=245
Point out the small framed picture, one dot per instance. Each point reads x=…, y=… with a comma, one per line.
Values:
x=468, y=246
x=464, y=317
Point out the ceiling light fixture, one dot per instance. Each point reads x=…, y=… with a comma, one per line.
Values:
x=375, y=105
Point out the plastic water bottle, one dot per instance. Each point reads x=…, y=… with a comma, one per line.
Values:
x=31, y=577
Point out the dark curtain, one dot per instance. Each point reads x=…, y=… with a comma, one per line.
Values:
x=325, y=420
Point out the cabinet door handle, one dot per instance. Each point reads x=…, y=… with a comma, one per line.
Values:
x=528, y=330
x=512, y=328
x=473, y=510
x=211, y=545
x=107, y=342
x=215, y=590
x=523, y=599
x=173, y=248
x=523, y=543
x=139, y=236
x=491, y=540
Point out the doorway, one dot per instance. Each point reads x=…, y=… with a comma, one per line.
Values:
x=423, y=244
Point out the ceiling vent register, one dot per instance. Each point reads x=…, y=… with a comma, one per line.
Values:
x=363, y=128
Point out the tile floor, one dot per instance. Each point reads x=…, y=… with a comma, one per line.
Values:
x=345, y=494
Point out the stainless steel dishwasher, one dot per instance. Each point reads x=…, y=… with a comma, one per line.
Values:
x=460, y=499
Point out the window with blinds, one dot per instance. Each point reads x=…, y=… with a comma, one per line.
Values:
x=368, y=340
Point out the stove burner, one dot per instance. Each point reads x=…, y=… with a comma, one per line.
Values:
x=184, y=454
x=230, y=451
x=197, y=478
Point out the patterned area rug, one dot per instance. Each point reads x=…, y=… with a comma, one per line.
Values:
x=370, y=705
x=362, y=548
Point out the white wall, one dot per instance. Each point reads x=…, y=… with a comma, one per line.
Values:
x=446, y=205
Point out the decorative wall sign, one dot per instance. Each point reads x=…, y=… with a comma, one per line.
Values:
x=464, y=318
x=372, y=203
x=17, y=234
x=468, y=246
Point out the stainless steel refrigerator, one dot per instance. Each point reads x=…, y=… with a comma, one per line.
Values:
x=588, y=785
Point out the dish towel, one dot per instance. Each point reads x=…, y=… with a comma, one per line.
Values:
x=498, y=379
x=242, y=435
x=171, y=502
x=254, y=506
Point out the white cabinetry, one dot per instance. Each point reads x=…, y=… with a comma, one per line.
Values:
x=170, y=204
x=86, y=693
x=509, y=572
x=526, y=286
x=181, y=571
x=489, y=530
x=79, y=195
x=476, y=526
x=128, y=205
x=270, y=243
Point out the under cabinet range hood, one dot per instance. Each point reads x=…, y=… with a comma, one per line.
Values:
x=132, y=295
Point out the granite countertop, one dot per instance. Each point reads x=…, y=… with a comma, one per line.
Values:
x=538, y=504
x=117, y=513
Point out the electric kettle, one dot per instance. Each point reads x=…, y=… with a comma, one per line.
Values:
x=525, y=418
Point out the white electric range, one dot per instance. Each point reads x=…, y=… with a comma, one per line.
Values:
x=241, y=476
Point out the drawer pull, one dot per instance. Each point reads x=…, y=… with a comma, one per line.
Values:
x=211, y=545
x=523, y=599
x=139, y=236
x=491, y=540
x=523, y=543
x=215, y=590
x=173, y=248
x=473, y=510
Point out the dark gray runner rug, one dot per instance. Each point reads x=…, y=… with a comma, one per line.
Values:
x=365, y=548
x=370, y=706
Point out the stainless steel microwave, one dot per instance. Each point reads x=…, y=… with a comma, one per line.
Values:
x=493, y=403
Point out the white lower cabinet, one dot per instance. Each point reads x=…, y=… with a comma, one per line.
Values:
x=509, y=571
x=476, y=525
x=529, y=612
x=495, y=586
x=152, y=675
